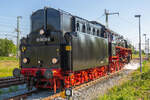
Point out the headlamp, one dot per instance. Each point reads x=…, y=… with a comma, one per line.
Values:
x=54, y=60
x=39, y=62
x=41, y=32
x=25, y=60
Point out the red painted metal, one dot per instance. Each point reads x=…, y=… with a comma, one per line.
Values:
x=32, y=72
x=123, y=53
x=54, y=82
x=83, y=76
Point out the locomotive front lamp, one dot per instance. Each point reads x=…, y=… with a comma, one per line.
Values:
x=42, y=32
x=54, y=60
x=39, y=62
x=25, y=60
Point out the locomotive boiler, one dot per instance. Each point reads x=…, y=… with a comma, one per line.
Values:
x=63, y=50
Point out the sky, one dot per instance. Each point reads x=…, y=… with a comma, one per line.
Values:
x=125, y=24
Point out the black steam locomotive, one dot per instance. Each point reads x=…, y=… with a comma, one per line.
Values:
x=63, y=50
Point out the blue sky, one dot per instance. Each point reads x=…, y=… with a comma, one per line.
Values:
x=124, y=24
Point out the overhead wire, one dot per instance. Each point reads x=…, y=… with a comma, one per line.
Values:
x=8, y=27
x=13, y=18
x=125, y=20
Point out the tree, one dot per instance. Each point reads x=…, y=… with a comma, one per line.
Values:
x=7, y=47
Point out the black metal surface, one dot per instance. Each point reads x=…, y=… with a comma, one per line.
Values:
x=43, y=47
x=50, y=15
x=112, y=49
x=43, y=54
x=37, y=20
x=89, y=51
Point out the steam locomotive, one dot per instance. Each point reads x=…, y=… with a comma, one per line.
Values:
x=63, y=50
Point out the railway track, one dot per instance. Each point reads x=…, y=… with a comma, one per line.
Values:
x=62, y=94
x=10, y=81
x=22, y=96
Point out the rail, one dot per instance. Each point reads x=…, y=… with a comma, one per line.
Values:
x=10, y=81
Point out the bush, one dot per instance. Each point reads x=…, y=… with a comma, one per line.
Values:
x=7, y=47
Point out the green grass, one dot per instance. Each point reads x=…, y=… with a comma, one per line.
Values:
x=7, y=64
x=137, y=55
x=7, y=58
x=138, y=88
